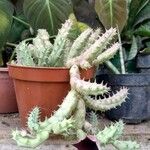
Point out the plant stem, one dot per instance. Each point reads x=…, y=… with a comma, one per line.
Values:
x=12, y=56
x=123, y=71
x=11, y=44
x=112, y=67
x=21, y=21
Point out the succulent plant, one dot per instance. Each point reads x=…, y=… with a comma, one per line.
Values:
x=88, y=49
x=69, y=120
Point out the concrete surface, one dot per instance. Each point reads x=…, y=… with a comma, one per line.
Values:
x=140, y=133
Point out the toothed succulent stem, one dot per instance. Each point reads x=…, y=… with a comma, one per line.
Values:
x=79, y=44
x=111, y=133
x=33, y=140
x=33, y=119
x=126, y=145
x=84, y=87
x=95, y=51
x=79, y=114
x=30, y=141
x=106, y=55
x=107, y=103
x=24, y=55
x=65, y=109
x=59, y=44
x=99, y=45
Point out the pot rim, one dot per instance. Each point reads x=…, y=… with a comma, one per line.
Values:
x=133, y=79
x=37, y=67
x=125, y=75
x=3, y=69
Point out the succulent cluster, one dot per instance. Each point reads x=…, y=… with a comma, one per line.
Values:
x=88, y=49
x=69, y=120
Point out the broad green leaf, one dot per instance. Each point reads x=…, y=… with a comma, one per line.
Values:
x=143, y=30
x=47, y=14
x=112, y=12
x=17, y=29
x=143, y=13
x=6, y=12
x=135, y=8
x=19, y=7
x=134, y=49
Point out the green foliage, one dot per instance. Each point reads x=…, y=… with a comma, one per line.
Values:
x=47, y=14
x=6, y=12
x=18, y=29
x=112, y=13
x=134, y=18
x=133, y=51
x=143, y=30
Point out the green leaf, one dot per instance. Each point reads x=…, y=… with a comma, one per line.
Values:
x=145, y=51
x=143, y=30
x=6, y=13
x=134, y=49
x=17, y=29
x=143, y=13
x=47, y=14
x=112, y=13
x=134, y=10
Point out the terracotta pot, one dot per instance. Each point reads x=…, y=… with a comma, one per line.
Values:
x=43, y=87
x=8, y=102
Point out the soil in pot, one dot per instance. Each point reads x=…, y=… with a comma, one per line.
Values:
x=137, y=107
x=42, y=87
x=8, y=102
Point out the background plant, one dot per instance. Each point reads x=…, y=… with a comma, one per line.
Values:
x=22, y=18
x=132, y=18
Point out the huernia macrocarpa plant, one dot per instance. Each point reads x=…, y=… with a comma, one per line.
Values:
x=88, y=49
x=69, y=120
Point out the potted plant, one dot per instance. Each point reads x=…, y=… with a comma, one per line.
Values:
x=69, y=123
x=37, y=64
x=134, y=36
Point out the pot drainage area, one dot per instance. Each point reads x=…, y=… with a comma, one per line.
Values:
x=8, y=122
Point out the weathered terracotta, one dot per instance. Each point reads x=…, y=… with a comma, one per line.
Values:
x=8, y=102
x=42, y=87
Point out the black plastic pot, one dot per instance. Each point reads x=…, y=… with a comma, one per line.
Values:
x=143, y=63
x=137, y=107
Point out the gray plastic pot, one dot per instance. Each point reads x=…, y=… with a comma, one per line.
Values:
x=137, y=107
x=143, y=63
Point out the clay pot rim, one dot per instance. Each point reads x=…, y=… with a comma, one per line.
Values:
x=3, y=69
x=37, y=67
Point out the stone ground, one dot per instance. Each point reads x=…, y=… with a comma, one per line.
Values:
x=140, y=133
